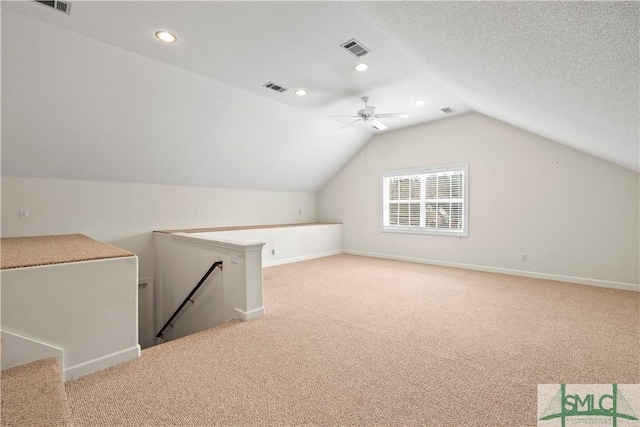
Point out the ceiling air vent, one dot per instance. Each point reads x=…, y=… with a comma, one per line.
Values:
x=355, y=47
x=274, y=86
x=62, y=6
x=447, y=110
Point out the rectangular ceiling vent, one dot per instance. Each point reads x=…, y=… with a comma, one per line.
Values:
x=447, y=110
x=355, y=47
x=274, y=86
x=62, y=6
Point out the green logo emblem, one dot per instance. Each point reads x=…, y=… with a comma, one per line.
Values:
x=587, y=404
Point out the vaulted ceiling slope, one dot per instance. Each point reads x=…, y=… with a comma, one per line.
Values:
x=94, y=95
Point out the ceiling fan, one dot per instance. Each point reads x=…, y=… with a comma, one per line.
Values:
x=367, y=114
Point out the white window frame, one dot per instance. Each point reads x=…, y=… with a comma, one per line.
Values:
x=423, y=171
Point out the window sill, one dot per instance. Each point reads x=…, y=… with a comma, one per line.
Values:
x=424, y=231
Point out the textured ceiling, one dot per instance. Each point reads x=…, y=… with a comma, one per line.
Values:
x=565, y=70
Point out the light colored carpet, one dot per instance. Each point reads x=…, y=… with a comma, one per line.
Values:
x=18, y=252
x=33, y=395
x=355, y=341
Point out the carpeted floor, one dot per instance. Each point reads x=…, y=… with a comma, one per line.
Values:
x=19, y=252
x=355, y=341
x=34, y=395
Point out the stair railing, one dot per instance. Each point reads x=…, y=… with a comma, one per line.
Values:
x=188, y=298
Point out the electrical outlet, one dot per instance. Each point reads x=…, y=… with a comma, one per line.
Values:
x=234, y=258
x=197, y=212
x=523, y=256
x=24, y=213
x=273, y=251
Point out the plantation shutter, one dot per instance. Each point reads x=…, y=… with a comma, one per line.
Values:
x=404, y=201
x=432, y=199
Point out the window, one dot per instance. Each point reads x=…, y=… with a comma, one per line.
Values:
x=430, y=200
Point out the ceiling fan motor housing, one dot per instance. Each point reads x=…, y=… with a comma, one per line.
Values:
x=367, y=112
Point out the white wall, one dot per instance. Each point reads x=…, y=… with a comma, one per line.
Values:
x=125, y=214
x=284, y=245
x=576, y=216
x=88, y=309
x=233, y=291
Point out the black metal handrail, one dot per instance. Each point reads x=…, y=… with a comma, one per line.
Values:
x=188, y=298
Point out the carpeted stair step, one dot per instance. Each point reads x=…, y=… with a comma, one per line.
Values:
x=33, y=395
x=185, y=342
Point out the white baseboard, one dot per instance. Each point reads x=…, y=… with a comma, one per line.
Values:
x=301, y=258
x=523, y=273
x=100, y=363
x=248, y=315
x=18, y=350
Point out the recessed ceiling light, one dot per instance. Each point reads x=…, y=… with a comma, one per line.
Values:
x=166, y=36
x=301, y=92
x=421, y=102
x=361, y=67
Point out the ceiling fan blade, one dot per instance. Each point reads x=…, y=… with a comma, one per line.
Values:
x=345, y=116
x=376, y=124
x=392, y=116
x=350, y=124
